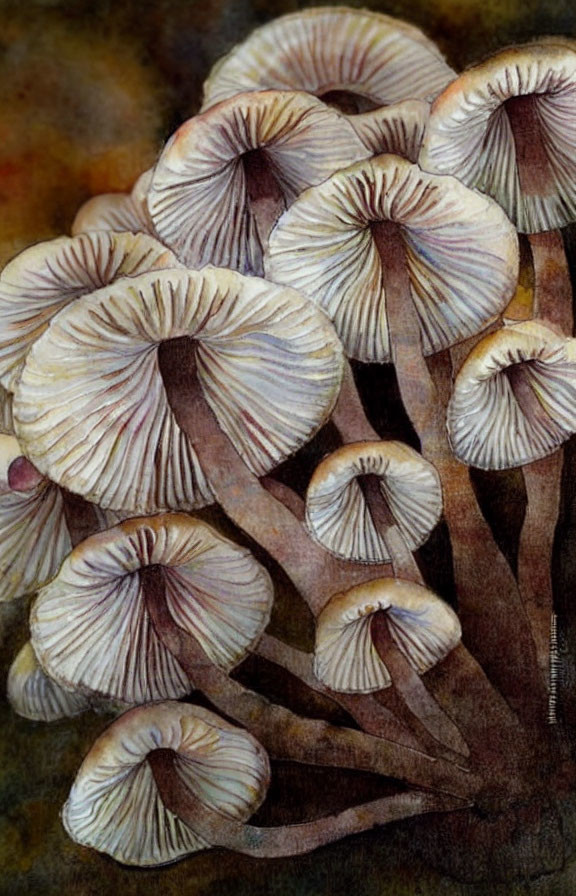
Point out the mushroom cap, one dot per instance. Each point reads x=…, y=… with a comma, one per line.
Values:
x=199, y=200
x=91, y=406
x=91, y=626
x=47, y=277
x=397, y=129
x=470, y=134
x=117, y=211
x=461, y=254
x=33, y=695
x=379, y=59
x=423, y=627
x=114, y=805
x=336, y=510
x=487, y=424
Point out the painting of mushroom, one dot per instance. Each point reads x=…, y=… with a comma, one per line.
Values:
x=287, y=450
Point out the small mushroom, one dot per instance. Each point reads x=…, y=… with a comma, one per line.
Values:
x=117, y=211
x=355, y=59
x=33, y=695
x=374, y=502
x=389, y=631
x=514, y=398
x=397, y=129
x=115, y=804
x=102, y=595
x=225, y=176
x=47, y=277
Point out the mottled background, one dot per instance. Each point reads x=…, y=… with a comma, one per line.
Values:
x=89, y=90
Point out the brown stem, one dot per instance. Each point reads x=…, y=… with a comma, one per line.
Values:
x=265, y=197
x=490, y=606
x=287, y=840
x=552, y=284
x=349, y=414
x=371, y=716
x=81, y=518
x=283, y=733
x=316, y=574
x=286, y=495
x=411, y=687
x=404, y=565
x=534, y=170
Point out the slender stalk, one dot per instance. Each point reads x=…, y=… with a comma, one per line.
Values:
x=287, y=840
x=490, y=605
x=265, y=198
x=372, y=717
x=283, y=733
x=404, y=565
x=316, y=574
x=349, y=415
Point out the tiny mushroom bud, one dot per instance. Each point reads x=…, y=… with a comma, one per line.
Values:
x=102, y=594
x=355, y=59
x=47, y=277
x=115, y=805
x=33, y=695
x=226, y=176
x=117, y=211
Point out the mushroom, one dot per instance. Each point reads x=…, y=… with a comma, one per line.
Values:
x=33, y=695
x=225, y=176
x=406, y=264
x=117, y=211
x=397, y=129
x=355, y=59
x=115, y=804
x=392, y=631
x=47, y=277
x=374, y=502
x=389, y=631
x=170, y=779
x=514, y=402
x=157, y=392
x=101, y=594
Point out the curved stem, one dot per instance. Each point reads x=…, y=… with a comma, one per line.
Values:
x=371, y=716
x=283, y=733
x=349, y=415
x=411, y=687
x=490, y=606
x=316, y=574
x=404, y=565
x=287, y=840
x=265, y=198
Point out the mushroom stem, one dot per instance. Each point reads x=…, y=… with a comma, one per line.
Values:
x=403, y=563
x=81, y=518
x=411, y=687
x=368, y=712
x=287, y=840
x=285, y=734
x=265, y=198
x=315, y=573
x=489, y=602
x=349, y=415
x=552, y=284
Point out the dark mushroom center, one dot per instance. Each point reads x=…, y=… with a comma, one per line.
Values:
x=518, y=375
x=531, y=156
x=348, y=101
x=265, y=195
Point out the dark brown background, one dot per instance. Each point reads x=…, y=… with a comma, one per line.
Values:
x=88, y=92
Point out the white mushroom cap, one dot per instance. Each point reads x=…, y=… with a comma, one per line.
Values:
x=199, y=199
x=47, y=277
x=33, y=695
x=471, y=136
x=336, y=510
x=379, y=59
x=397, y=129
x=423, y=627
x=489, y=424
x=91, y=626
x=114, y=805
x=91, y=406
x=117, y=211
x=461, y=254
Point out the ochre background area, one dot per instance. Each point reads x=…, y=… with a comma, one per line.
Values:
x=89, y=91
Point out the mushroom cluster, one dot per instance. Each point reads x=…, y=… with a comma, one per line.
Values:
x=343, y=198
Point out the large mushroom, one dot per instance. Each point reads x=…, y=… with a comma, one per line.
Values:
x=355, y=59
x=406, y=264
x=226, y=176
